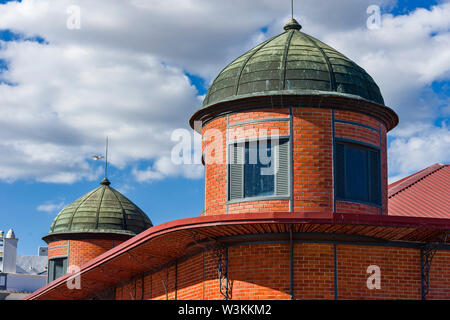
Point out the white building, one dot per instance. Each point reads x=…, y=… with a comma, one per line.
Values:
x=20, y=275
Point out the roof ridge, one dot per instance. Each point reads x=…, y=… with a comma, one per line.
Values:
x=124, y=215
x=332, y=77
x=400, y=181
x=87, y=196
x=421, y=175
x=104, y=187
x=284, y=61
x=241, y=70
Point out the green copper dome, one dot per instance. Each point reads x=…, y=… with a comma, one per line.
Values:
x=103, y=210
x=292, y=63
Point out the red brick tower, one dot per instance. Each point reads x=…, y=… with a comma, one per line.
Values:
x=331, y=123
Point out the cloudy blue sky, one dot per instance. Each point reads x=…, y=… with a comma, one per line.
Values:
x=136, y=70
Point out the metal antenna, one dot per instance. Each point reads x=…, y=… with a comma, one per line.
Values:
x=292, y=9
x=106, y=157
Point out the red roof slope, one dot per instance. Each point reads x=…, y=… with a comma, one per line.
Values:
x=422, y=194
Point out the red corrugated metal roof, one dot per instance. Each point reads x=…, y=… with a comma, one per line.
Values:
x=422, y=194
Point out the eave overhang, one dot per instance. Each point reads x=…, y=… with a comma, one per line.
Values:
x=89, y=234
x=291, y=98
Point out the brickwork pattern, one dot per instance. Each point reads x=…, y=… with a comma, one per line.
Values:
x=313, y=160
x=262, y=271
x=81, y=251
x=313, y=185
x=399, y=268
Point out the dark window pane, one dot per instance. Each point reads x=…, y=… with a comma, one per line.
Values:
x=375, y=177
x=50, y=274
x=259, y=173
x=2, y=281
x=340, y=170
x=356, y=174
x=58, y=268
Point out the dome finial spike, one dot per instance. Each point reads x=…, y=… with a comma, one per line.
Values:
x=292, y=24
x=105, y=180
x=292, y=9
x=106, y=159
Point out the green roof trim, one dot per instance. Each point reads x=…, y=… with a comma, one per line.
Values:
x=103, y=210
x=292, y=62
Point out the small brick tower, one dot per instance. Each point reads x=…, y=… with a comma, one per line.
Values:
x=90, y=226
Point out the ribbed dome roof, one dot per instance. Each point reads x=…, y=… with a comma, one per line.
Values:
x=292, y=63
x=103, y=210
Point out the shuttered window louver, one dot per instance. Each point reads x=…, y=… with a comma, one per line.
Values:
x=282, y=175
x=236, y=172
x=245, y=180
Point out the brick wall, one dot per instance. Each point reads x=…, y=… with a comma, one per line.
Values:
x=313, y=160
x=399, y=267
x=211, y=282
x=190, y=278
x=262, y=271
x=259, y=206
x=313, y=271
x=351, y=207
x=80, y=251
x=354, y=132
x=259, y=271
x=313, y=185
x=58, y=249
x=162, y=281
x=215, y=179
x=440, y=276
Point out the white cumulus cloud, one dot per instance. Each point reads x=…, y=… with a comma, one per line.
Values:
x=123, y=75
x=51, y=207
